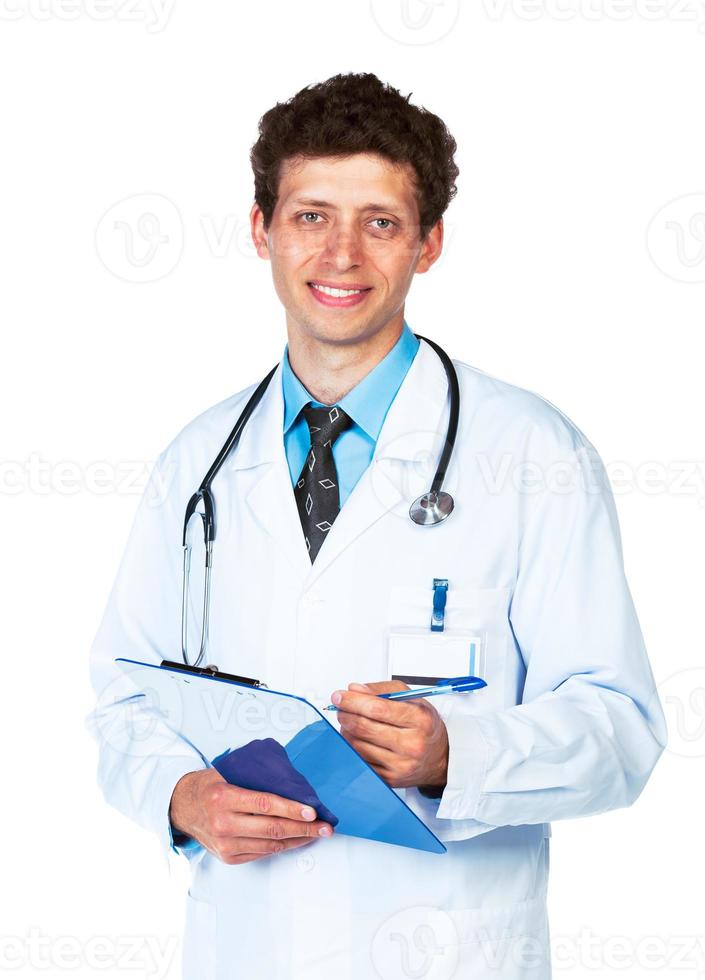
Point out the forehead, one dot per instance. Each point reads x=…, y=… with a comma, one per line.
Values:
x=354, y=181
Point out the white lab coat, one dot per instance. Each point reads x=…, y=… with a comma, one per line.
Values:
x=569, y=724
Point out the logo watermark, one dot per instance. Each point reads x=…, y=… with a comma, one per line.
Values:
x=140, y=239
x=415, y=22
x=683, y=698
x=676, y=238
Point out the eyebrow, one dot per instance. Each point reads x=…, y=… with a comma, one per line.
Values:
x=312, y=202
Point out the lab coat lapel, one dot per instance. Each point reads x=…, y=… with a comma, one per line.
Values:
x=272, y=502
x=270, y=497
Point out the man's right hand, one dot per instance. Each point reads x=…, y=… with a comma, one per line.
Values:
x=240, y=825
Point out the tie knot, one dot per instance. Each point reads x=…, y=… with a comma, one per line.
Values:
x=325, y=423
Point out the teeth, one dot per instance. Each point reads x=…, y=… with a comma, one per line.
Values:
x=335, y=292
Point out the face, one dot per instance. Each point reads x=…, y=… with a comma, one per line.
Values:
x=344, y=223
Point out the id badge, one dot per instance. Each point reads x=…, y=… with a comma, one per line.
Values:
x=420, y=657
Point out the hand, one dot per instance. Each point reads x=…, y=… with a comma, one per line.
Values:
x=405, y=742
x=240, y=825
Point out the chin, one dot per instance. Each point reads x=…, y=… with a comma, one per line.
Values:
x=325, y=329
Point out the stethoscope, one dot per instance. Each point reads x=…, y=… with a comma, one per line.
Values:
x=429, y=509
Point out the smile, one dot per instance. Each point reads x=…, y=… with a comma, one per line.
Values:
x=338, y=296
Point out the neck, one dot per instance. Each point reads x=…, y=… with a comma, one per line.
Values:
x=330, y=370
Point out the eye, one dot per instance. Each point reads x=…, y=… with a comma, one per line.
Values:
x=305, y=214
x=389, y=223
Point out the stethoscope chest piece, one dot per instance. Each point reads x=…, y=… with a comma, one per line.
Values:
x=431, y=508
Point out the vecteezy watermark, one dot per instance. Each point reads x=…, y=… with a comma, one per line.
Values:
x=67, y=477
x=496, y=475
x=230, y=234
x=683, y=698
x=679, y=478
x=154, y=14
x=415, y=22
x=140, y=239
x=429, y=943
x=685, y=11
x=227, y=234
x=588, y=951
x=141, y=710
x=35, y=950
x=403, y=469
x=676, y=238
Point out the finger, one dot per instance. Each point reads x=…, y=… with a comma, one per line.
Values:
x=402, y=714
x=269, y=804
x=256, y=845
x=379, y=733
x=278, y=828
x=380, y=687
x=241, y=858
x=375, y=755
x=265, y=849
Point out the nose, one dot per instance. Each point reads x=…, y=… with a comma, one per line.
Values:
x=342, y=248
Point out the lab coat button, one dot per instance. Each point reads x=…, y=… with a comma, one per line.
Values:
x=310, y=598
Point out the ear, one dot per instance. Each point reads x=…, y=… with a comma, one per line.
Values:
x=431, y=248
x=257, y=230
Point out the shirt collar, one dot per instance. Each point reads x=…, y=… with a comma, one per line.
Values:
x=368, y=402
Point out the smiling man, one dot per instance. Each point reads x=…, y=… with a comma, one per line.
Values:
x=325, y=587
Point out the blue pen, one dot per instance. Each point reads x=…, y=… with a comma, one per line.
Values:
x=451, y=685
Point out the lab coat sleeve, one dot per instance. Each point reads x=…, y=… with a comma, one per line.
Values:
x=590, y=727
x=141, y=758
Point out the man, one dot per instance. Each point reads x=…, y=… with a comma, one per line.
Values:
x=325, y=595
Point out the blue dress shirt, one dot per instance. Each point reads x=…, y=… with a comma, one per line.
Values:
x=367, y=405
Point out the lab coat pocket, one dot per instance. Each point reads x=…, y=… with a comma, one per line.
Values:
x=476, y=631
x=199, y=942
x=503, y=942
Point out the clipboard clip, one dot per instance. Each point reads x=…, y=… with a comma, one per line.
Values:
x=211, y=670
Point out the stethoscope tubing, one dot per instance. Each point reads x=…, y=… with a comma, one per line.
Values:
x=205, y=494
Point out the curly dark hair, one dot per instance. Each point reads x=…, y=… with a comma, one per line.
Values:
x=357, y=113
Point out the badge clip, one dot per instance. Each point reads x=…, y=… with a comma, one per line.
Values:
x=440, y=590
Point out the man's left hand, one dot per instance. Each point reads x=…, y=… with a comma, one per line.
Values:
x=405, y=742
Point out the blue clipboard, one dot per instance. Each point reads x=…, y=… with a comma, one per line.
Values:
x=215, y=714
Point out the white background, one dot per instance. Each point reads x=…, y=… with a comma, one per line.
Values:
x=574, y=266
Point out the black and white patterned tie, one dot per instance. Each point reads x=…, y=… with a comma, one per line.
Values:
x=316, y=490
